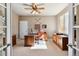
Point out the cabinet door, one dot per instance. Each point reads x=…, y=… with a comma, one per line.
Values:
x=60, y=42
x=54, y=38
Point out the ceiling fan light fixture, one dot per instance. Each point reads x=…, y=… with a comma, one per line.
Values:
x=36, y=13
x=33, y=12
x=35, y=8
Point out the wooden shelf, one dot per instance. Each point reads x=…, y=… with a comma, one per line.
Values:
x=3, y=6
x=77, y=26
x=76, y=4
x=2, y=33
x=1, y=17
x=3, y=26
x=3, y=21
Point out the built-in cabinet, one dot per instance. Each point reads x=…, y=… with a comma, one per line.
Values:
x=13, y=40
x=60, y=40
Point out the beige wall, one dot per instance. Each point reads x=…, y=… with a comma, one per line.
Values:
x=50, y=21
x=15, y=19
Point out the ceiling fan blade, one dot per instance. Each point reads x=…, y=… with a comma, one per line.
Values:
x=40, y=4
x=32, y=11
x=27, y=5
x=33, y=3
x=41, y=8
x=38, y=11
x=28, y=8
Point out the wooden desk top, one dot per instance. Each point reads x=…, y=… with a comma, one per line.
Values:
x=29, y=35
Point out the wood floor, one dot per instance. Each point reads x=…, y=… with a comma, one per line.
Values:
x=53, y=50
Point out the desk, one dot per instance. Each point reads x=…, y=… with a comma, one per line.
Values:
x=28, y=40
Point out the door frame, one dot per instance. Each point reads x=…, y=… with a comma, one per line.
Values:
x=70, y=34
x=9, y=39
x=70, y=30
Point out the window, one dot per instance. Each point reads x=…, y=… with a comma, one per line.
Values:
x=63, y=23
x=66, y=18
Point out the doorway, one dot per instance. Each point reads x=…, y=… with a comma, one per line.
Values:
x=48, y=24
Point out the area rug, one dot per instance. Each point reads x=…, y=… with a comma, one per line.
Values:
x=41, y=44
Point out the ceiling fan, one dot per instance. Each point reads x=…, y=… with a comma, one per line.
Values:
x=34, y=7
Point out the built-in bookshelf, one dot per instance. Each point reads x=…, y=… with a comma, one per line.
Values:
x=3, y=26
x=3, y=5
x=76, y=26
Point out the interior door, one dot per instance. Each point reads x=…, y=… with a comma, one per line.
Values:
x=23, y=29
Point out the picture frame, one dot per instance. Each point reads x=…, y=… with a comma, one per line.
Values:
x=44, y=26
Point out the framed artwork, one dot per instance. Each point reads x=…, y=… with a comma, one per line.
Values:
x=44, y=26
x=37, y=27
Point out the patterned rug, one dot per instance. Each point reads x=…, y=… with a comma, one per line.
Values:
x=40, y=44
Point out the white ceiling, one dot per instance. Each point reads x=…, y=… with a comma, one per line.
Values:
x=50, y=9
